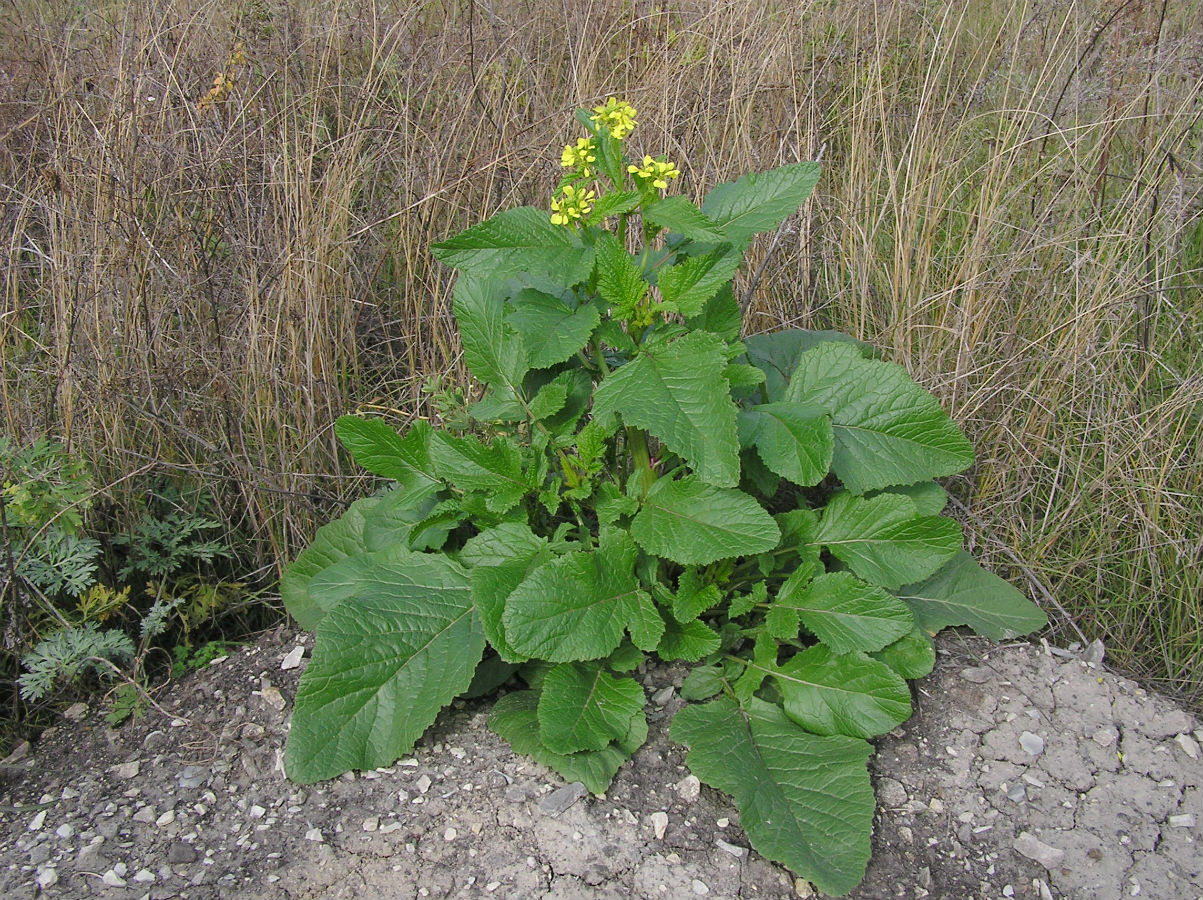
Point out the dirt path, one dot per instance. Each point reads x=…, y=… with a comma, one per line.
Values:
x=1022, y=774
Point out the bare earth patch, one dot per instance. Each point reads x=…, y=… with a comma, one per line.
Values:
x=1022, y=774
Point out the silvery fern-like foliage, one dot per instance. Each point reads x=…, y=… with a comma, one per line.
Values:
x=69, y=653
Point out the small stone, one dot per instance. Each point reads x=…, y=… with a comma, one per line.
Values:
x=1032, y=744
x=1186, y=820
x=659, y=822
x=166, y=819
x=1106, y=737
x=112, y=879
x=492, y=886
x=423, y=784
x=662, y=696
x=144, y=876
x=457, y=752
x=689, y=788
x=699, y=887
x=181, y=853
x=936, y=805
x=722, y=822
x=126, y=770
x=1035, y=849
x=46, y=877
x=273, y=698
x=977, y=675
x=20, y=752
x=1094, y=653
x=390, y=827
x=76, y=712
x=89, y=859
x=1017, y=793
x=293, y=659
x=315, y=835
x=192, y=776
x=891, y=793
x=121, y=869
x=562, y=798
x=734, y=849
x=154, y=740
x=450, y=835
x=36, y=823
x=1188, y=744
x=65, y=831
x=371, y=823
x=1008, y=891
x=146, y=815
x=803, y=888
x=256, y=812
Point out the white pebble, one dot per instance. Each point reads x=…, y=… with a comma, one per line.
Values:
x=166, y=819
x=450, y=834
x=1186, y=820
x=36, y=823
x=314, y=834
x=293, y=659
x=659, y=822
x=700, y=887
x=1031, y=743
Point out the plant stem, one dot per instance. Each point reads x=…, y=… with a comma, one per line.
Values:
x=637, y=441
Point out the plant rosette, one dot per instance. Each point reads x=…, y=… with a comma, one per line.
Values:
x=638, y=480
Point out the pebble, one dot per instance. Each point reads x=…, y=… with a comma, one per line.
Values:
x=734, y=849
x=1035, y=849
x=46, y=877
x=662, y=696
x=450, y=835
x=689, y=788
x=1032, y=744
x=76, y=712
x=65, y=831
x=166, y=819
x=181, y=853
x=659, y=822
x=293, y=659
x=1189, y=745
x=112, y=879
x=1186, y=820
x=562, y=798
x=146, y=815
x=423, y=784
x=371, y=823
x=126, y=770
x=977, y=674
x=36, y=823
x=699, y=887
x=314, y=834
x=192, y=776
x=144, y=876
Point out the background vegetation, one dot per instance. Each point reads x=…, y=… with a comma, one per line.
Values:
x=215, y=218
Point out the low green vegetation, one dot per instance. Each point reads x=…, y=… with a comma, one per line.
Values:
x=635, y=482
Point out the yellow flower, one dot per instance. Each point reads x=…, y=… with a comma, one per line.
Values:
x=572, y=206
x=657, y=171
x=616, y=116
x=580, y=156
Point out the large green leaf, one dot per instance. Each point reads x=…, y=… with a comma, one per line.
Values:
x=383, y=666
x=494, y=469
x=687, y=286
x=334, y=541
x=776, y=353
x=382, y=451
x=515, y=718
x=619, y=280
x=912, y=656
x=689, y=641
x=963, y=593
x=888, y=429
x=805, y=801
x=493, y=351
x=883, y=540
x=401, y=518
x=794, y=442
x=500, y=558
x=576, y=607
x=678, y=393
x=760, y=201
x=552, y=331
x=584, y=707
x=721, y=315
x=518, y=241
x=846, y=693
x=693, y=523
x=677, y=213
x=846, y=613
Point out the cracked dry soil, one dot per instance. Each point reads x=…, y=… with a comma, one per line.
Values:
x=1022, y=774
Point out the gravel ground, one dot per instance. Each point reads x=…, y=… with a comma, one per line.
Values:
x=1024, y=773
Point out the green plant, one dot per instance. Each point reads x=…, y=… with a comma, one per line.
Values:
x=640, y=481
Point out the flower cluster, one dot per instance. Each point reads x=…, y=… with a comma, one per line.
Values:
x=572, y=205
x=655, y=172
x=580, y=156
x=616, y=116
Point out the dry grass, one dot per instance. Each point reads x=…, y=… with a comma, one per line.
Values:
x=1011, y=207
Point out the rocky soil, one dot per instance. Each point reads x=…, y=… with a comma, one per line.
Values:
x=1024, y=773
